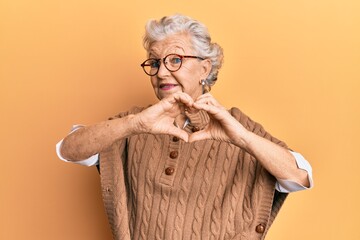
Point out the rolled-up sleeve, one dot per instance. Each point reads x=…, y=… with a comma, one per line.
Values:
x=91, y=161
x=287, y=186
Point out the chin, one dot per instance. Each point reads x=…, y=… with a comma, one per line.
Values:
x=161, y=95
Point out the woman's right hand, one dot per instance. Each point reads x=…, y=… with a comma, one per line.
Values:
x=159, y=118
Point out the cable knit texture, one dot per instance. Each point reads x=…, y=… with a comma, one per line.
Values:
x=160, y=187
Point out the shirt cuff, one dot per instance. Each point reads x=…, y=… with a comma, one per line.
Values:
x=91, y=161
x=287, y=186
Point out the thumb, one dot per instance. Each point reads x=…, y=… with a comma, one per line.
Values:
x=197, y=136
x=177, y=132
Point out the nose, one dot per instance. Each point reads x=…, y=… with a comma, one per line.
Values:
x=163, y=71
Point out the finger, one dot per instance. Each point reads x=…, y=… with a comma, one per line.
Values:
x=205, y=95
x=170, y=109
x=177, y=132
x=184, y=98
x=207, y=107
x=197, y=136
x=175, y=101
x=208, y=99
x=186, y=101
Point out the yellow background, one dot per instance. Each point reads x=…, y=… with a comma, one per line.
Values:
x=291, y=65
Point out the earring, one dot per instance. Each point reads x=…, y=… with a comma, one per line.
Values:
x=203, y=84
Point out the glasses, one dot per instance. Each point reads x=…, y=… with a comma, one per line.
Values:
x=172, y=63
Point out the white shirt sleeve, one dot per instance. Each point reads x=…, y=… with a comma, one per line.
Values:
x=287, y=186
x=91, y=161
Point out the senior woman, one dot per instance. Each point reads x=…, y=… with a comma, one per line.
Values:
x=185, y=167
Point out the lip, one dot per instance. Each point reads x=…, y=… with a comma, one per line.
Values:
x=167, y=86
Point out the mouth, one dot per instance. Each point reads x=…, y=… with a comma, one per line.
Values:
x=167, y=86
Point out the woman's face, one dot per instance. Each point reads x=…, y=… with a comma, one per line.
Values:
x=187, y=78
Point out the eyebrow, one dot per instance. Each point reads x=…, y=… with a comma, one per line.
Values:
x=152, y=55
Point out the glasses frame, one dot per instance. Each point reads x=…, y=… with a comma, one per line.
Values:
x=143, y=65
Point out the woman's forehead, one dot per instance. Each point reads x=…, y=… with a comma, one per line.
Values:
x=178, y=43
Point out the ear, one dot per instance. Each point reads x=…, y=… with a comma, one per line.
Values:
x=206, y=68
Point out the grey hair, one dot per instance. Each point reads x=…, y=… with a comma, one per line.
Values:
x=157, y=30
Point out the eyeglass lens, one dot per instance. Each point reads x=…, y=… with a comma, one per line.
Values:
x=172, y=62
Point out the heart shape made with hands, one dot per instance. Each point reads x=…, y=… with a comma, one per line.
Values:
x=206, y=118
x=197, y=121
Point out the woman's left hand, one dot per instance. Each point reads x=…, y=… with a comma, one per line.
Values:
x=222, y=125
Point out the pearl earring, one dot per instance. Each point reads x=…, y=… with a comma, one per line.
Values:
x=203, y=84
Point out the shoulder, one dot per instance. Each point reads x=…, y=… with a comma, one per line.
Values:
x=253, y=126
x=244, y=119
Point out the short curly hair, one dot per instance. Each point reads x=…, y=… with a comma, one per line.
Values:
x=157, y=30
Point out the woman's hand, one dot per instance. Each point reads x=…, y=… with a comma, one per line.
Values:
x=222, y=125
x=276, y=159
x=159, y=118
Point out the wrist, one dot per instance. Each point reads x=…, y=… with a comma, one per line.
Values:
x=242, y=138
x=136, y=125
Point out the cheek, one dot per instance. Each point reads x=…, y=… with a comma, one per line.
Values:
x=190, y=84
x=153, y=82
x=188, y=76
x=191, y=80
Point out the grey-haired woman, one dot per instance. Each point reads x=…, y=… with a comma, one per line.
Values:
x=186, y=167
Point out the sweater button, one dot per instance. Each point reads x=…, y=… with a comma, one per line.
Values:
x=260, y=228
x=195, y=129
x=169, y=171
x=174, y=154
x=175, y=139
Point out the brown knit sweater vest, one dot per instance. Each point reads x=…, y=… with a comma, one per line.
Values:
x=160, y=187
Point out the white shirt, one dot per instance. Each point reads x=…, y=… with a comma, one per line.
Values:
x=282, y=185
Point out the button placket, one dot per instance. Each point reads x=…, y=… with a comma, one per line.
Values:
x=171, y=163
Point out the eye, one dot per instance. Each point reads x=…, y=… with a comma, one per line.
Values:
x=153, y=63
x=175, y=60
